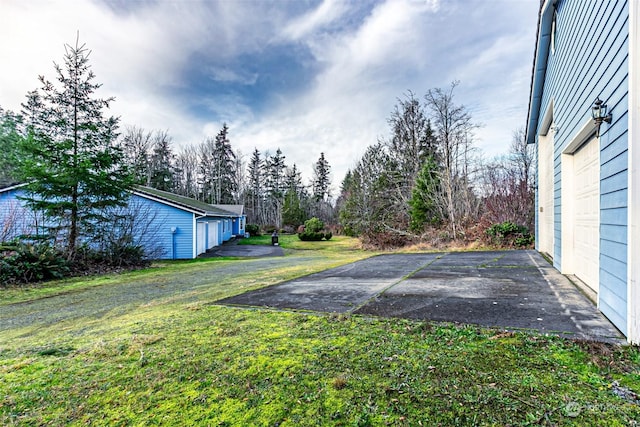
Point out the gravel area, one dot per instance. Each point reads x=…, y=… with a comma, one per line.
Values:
x=98, y=301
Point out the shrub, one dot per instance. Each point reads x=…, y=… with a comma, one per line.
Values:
x=313, y=231
x=311, y=236
x=125, y=255
x=252, y=229
x=313, y=225
x=115, y=254
x=28, y=262
x=509, y=234
x=384, y=240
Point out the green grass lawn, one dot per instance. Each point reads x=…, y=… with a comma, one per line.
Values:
x=172, y=362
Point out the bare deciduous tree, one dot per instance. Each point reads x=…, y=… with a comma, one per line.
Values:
x=508, y=185
x=453, y=129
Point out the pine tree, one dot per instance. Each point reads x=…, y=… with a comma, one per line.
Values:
x=224, y=168
x=162, y=168
x=207, y=179
x=274, y=187
x=423, y=204
x=411, y=143
x=364, y=206
x=275, y=172
x=321, y=179
x=9, y=139
x=293, y=212
x=69, y=158
x=255, y=188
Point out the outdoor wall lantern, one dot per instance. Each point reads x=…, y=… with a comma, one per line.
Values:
x=599, y=114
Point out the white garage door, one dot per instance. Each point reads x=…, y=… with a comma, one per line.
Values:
x=213, y=234
x=587, y=213
x=201, y=238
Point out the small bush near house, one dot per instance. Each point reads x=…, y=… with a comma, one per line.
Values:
x=115, y=255
x=30, y=262
x=509, y=234
x=252, y=229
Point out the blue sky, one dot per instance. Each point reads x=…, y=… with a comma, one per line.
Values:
x=303, y=76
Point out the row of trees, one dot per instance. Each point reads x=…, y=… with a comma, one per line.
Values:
x=425, y=177
x=213, y=172
x=428, y=179
x=79, y=167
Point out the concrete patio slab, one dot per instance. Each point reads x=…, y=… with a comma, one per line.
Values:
x=504, y=289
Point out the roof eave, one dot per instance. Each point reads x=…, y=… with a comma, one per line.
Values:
x=540, y=58
x=168, y=202
x=13, y=187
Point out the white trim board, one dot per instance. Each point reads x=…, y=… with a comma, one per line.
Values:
x=633, y=219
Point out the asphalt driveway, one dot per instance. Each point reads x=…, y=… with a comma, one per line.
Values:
x=505, y=289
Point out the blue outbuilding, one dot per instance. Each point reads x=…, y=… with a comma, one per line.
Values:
x=169, y=226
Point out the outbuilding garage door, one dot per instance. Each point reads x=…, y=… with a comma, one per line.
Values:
x=201, y=238
x=587, y=213
x=212, y=234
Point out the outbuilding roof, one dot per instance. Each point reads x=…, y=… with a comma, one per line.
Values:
x=187, y=203
x=182, y=202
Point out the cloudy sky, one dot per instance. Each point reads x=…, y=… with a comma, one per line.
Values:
x=305, y=76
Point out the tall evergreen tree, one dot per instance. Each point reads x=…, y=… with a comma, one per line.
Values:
x=321, y=179
x=365, y=206
x=9, y=139
x=162, y=169
x=224, y=168
x=255, y=188
x=207, y=179
x=293, y=211
x=69, y=158
x=423, y=206
x=411, y=143
x=275, y=168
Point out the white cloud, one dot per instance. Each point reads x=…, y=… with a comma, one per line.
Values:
x=366, y=56
x=314, y=20
x=228, y=75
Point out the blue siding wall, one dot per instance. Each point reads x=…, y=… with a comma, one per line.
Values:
x=228, y=229
x=577, y=72
x=238, y=225
x=13, y=217
x=162, y=219
x=155, y=229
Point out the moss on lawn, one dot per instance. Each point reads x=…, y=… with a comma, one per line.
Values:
x=189, y=361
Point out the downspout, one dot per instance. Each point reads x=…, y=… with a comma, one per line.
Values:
x=173, y=242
